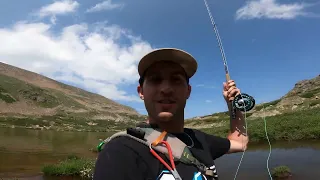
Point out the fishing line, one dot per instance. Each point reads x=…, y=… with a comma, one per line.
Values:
x=246, y=127
x=242, y=102
x=270, y=147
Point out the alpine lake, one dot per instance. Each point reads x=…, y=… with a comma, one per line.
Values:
x=23, y=153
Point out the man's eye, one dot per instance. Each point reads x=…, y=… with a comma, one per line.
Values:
x=155, y=79
x=177, y=79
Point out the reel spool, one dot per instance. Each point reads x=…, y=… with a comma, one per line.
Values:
x=243, y=102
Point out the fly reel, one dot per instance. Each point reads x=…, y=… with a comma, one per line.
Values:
x=243, y=102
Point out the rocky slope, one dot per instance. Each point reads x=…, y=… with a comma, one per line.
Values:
x=32, y=100
x=304, y=95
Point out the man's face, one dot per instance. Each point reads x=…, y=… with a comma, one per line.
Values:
x=165, y=91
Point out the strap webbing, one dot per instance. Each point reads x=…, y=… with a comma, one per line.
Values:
x=152, y=137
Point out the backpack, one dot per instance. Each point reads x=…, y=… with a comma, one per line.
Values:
x=152, y=138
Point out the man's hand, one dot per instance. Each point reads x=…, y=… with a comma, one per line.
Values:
x=230, y=91
x=238, y=138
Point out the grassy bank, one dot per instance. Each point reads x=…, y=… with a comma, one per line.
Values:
x=72, y=166
x=297, y=125
x=61, y=122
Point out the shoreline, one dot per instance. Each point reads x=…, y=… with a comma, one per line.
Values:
x=293, y=126
x=256, y=135
x=254, y=147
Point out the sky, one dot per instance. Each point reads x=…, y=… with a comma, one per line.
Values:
x=96, y=45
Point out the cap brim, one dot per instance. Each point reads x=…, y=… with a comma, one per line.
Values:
x=184, y=59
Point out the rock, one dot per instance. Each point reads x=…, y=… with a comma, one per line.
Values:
x=291, y=100
x=92, y=123
x=294, y=107
x=304, y=86
x=263, y=113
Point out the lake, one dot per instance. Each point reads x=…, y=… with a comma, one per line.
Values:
x=24, y=151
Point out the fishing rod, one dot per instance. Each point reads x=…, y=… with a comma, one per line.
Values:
x=243, y=101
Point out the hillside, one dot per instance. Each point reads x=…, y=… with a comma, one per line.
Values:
x=304, y=97
x=31, y=100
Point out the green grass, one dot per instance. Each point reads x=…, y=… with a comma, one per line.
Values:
x=298, y=125
x=18, y=89
x=5, y=96
x=12, y=89
x=314, y=102
x=23, y=121
x=281, y=172
x=64, y=123
x=12, y=85
x=310, y=94
x=66, y=100
x=272, y=103
x=71, y=166
x=210, y=119
x=41, y=97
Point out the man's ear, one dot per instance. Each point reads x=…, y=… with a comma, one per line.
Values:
x=189, y=91
x=140, y=92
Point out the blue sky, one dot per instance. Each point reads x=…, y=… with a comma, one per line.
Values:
x=269, y=44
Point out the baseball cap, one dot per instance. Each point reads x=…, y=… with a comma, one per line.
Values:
x=184, y=59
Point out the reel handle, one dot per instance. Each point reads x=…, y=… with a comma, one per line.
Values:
x=242, y=102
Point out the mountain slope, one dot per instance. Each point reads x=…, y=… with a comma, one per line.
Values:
x=304, y=96
x=29, y=99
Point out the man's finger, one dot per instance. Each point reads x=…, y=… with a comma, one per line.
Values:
x=230, y=89
x=234, y=92
x=230, y=84
x=225, y=87
x=230, y=81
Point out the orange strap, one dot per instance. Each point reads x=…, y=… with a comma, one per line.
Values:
x=160, y=138
x=173, y=168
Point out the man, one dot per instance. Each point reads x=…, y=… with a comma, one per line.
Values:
x=164, y=87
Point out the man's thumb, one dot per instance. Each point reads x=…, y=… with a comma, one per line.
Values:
x=225, y=86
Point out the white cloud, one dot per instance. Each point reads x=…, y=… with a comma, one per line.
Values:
x=271, y=9
x=208, y=101
x=88, y=55
x=58, y=8
x=62, y=7
x=105, y=5
x=206, y=86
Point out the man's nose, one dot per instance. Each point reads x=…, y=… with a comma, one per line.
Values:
x=166, y=87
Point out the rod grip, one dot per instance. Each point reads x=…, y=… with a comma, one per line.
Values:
x=227, y=77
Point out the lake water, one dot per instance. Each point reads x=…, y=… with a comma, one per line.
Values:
x=23, y=152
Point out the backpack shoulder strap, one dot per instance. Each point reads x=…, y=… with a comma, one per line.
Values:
x=151, y=137
x=204, y=155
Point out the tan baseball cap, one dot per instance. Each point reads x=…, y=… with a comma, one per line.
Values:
x=186, y=60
